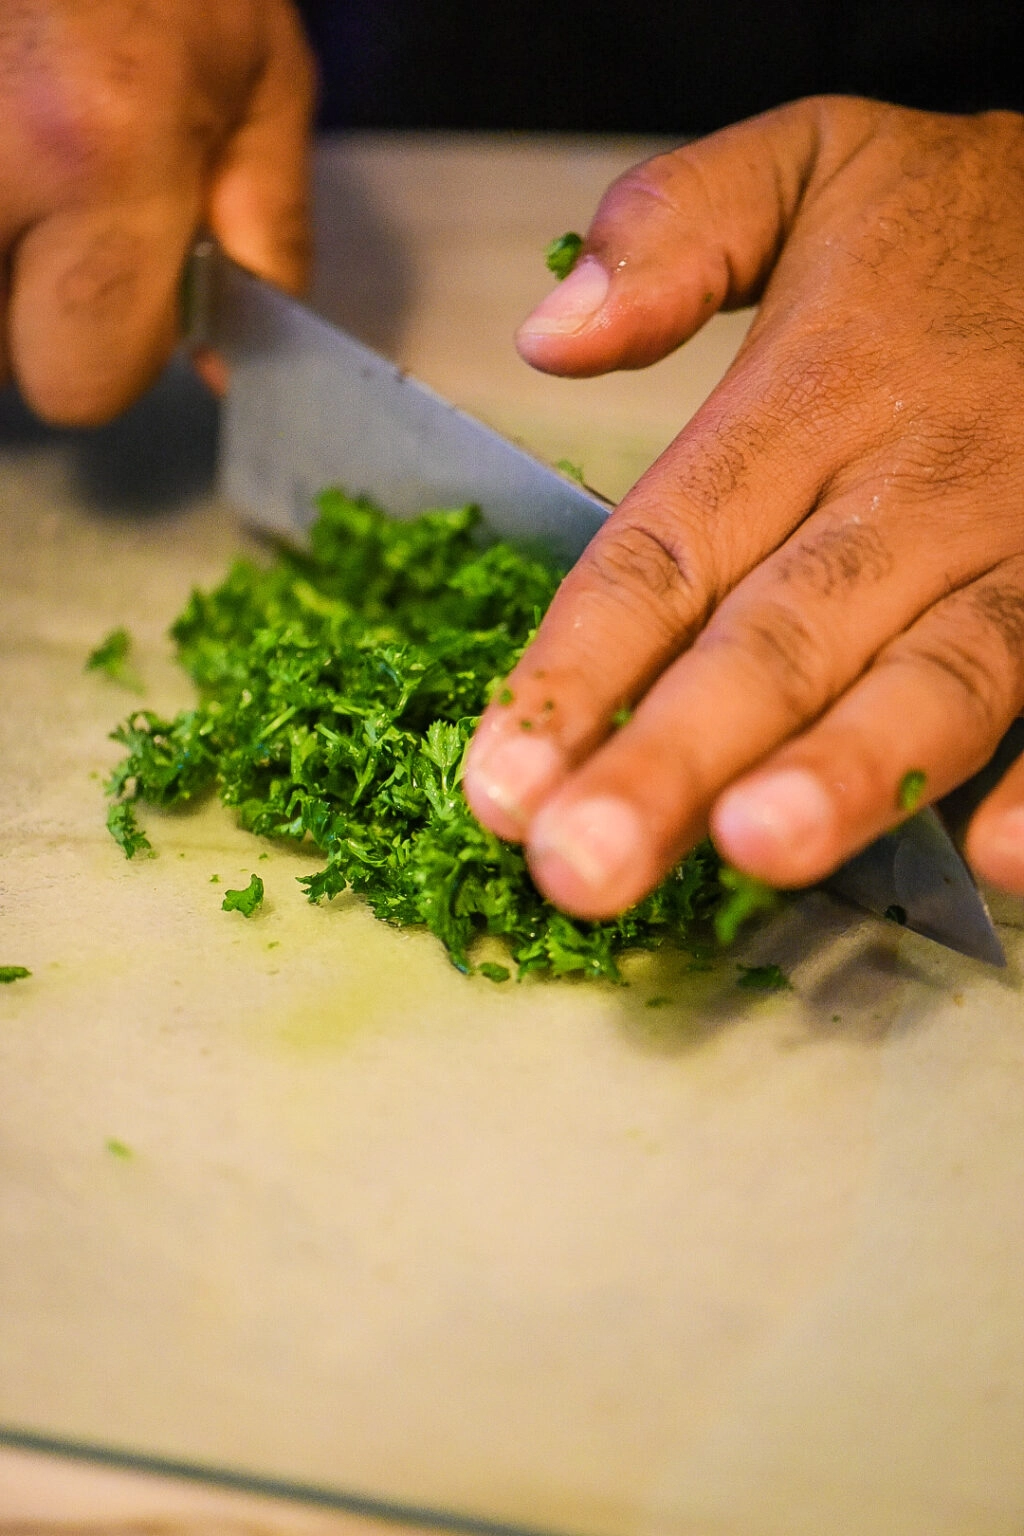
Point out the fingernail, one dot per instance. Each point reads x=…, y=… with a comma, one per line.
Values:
x=568, y=307
x=598, y=840
x=787, y=812
x=512, y=774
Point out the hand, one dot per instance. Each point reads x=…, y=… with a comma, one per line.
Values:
x=819, y=586
x=124, y=126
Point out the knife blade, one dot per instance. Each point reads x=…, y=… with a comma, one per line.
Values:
x=310, y=406
x=915, y=875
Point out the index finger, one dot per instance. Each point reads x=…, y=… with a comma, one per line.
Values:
x=704, y=515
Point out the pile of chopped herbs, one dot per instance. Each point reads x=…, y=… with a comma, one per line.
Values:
x=338, y=687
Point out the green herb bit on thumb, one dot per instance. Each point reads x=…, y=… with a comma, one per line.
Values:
x=248, y=901
x=911, y=790
x=747, y=897
x=563, y=254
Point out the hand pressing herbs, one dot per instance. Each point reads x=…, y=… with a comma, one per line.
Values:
x=338, y=688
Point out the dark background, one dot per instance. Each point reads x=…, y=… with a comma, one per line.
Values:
x=651, y=65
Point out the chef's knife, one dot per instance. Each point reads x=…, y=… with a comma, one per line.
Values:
x=310, y=406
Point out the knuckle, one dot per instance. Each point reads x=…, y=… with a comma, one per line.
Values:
x=968, y=451
x=653, y=564
x=104, y=281
x=778, y=648
x=982, y=692
x=835, y=561
x=87, y=120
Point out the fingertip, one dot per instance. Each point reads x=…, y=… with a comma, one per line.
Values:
x=591, y=857
x=258, y=204
x=995, y=847
x=94, y=387
x=565, y=312
x=507, y=777
x=779, y=827
x=263, y=228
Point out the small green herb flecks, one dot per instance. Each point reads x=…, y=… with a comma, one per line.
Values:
x=338, y=687
x=747, y=897
x=119, y=1149
x=563, y=253
x=215, y=879
x=526, y=725
x=911, y=790
x=657, y=1002
x=574, y=471
x=762, y=978
x=622, y=717
x=112, y=657
x=494, y=972
x=9, y=973
x=248, y=901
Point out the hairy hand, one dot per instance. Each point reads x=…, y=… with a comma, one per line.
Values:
x=819, y=586
x=124, y=126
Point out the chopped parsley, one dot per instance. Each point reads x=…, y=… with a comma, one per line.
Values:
x=762, y=978
x=9, y=973
x=563, y=253
x=125, y=830
x=574, y=471
x=746, y=897
x=112, y=656
x=119, y=1149
x=911, y=790
x=338, y=687
x=246, y=901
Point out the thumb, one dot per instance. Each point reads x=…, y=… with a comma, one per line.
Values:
x=683, y=235
x=259, y=194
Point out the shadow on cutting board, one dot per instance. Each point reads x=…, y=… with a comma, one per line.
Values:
x=159, y=454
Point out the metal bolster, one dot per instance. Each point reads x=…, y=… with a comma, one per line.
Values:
x=198, y=283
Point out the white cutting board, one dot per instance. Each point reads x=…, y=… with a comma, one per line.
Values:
x=734, y=1266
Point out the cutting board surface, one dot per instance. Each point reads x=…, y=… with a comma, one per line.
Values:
x=293, y=1198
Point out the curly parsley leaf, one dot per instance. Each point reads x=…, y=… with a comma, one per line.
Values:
x=246, y=901
x=338, y=688
x=125, y=830
x=746, y=897
x=113, y=656
x=9, y=973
